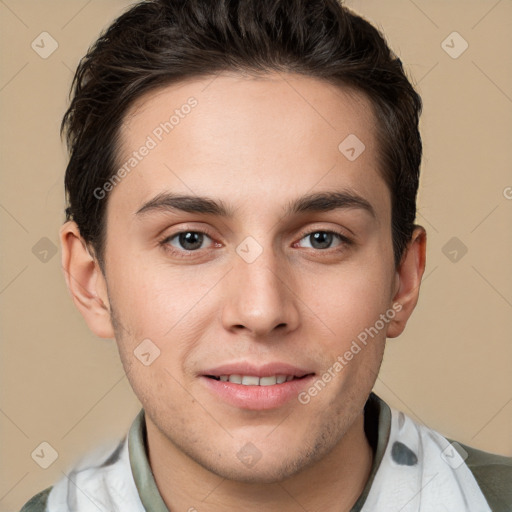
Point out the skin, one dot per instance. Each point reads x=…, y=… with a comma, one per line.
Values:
x=254, y=143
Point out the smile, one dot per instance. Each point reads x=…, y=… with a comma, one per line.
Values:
x=252, y=380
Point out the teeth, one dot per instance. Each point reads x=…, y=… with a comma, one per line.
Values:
x=252, y=380
x=268, y=381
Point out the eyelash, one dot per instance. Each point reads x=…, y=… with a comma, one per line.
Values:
x=183, y=253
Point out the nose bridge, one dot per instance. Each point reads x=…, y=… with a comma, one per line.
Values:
x=259, y=296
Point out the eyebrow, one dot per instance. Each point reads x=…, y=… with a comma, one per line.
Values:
x=317, y=202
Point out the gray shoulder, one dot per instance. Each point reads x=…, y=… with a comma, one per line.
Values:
x=38, y=502
x=493, y=474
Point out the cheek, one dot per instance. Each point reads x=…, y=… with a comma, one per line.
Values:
x=153, y=300
x=349, y=298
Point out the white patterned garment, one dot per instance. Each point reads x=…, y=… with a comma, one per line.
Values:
x=93, y=486
x=415, y=469
x=421, y=471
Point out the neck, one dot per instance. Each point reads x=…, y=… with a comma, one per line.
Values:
x=332, y=484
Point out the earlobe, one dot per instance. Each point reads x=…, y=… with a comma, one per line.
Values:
x=408, y=281
x=85, y=281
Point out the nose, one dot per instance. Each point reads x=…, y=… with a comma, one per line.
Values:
x=260, y=298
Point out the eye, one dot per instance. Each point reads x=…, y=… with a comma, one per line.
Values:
x=322, y=240
x=186, y=240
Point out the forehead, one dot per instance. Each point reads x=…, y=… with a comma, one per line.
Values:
x=265, y=137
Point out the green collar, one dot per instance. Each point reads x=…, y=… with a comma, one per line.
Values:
x=141, y=470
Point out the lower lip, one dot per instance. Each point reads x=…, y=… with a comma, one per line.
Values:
x=257, y=398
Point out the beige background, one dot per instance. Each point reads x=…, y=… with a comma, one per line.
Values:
x=451, y=370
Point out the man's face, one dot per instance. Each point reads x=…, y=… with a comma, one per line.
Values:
x=264, y=285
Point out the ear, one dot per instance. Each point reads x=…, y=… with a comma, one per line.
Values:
x=408, y=281
x=85, y=281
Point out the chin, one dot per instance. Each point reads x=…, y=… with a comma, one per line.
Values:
x=254, y=467
x=260, y=473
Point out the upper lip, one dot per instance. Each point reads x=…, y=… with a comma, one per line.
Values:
x=265, y=370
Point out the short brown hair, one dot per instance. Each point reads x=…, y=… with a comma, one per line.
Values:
x=161, y=42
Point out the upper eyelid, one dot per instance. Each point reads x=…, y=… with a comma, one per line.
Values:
x=320, y=230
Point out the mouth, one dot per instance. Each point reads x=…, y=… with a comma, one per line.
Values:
x=253, y=380
x=246, y=386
